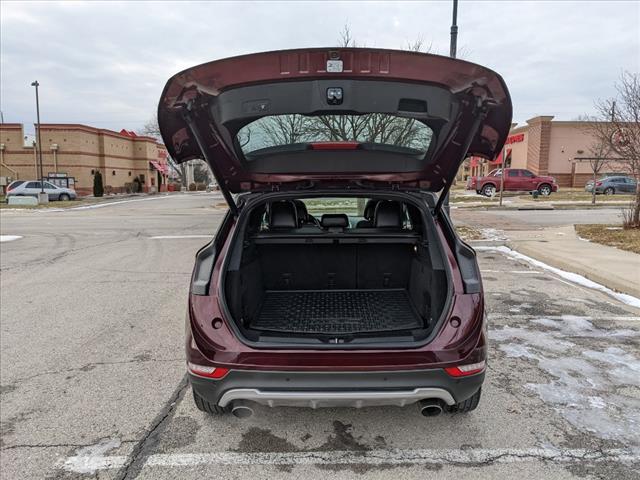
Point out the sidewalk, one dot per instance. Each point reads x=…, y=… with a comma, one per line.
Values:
x=562, y=248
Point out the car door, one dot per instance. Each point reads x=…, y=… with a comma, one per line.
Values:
x=628, y=185
x=51, y=190
x=529, y=180
x=32, y=189
x=513, y=180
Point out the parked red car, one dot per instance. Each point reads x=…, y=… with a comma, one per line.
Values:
x=515, y=180
x=381, y=307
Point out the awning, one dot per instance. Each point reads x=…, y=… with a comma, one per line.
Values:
x=498, y=160
x=160, y=167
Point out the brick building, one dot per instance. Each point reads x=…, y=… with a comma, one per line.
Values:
x=546, y=147
x=79, y=151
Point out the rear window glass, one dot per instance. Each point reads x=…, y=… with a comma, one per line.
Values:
x=400, y=134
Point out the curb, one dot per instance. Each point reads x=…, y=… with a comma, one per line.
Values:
x=568, y=266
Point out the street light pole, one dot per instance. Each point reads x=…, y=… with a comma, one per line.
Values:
x=452, y=53
x=453, y=47
x=37, y=84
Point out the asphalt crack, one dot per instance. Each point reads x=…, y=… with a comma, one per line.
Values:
x=142, y=450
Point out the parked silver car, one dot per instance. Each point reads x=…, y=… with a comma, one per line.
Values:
x=32, y=188
x=612, y=185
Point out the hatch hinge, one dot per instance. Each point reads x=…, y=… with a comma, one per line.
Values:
x=395, y=186
x=480, y=112
x=275, y=187
x=191, y=121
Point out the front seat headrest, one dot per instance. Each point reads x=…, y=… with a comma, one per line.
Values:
x=283, y=215
x=334, y=220
x=370, y=208
x=301, y=211
x=388, y=215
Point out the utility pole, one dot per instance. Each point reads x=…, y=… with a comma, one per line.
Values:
x=41, y=197
x=454, y=31
x=452, y=53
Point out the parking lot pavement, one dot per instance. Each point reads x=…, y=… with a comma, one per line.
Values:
x=92, y=377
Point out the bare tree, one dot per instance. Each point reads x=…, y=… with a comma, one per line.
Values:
x=622, y=131
x=599, y=158
x=368, y=128
x=599, y=149
x=152, y=129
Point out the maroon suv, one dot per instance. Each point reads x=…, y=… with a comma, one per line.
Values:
x=336, y=277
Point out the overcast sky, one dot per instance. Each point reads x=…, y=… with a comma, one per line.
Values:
x=105, y=63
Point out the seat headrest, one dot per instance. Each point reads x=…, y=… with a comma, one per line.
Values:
x=370, y=208
x=301, y=211
x=334, y=220
x=388, y=215
x=283, y=215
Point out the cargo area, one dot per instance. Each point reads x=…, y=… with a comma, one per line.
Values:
x=335, y=278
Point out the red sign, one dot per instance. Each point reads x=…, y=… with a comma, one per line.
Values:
x=515, y=138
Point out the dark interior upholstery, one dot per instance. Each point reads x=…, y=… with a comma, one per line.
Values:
x=369, y=212
x=388, y=215
x=279, y=270
x=322, y=267
x=334, y=220
x=283, y=215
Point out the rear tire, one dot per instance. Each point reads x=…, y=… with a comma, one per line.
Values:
x=468, y=405
x=208, y=407
x=489, y=190
x=609, y=191
x=544, y=190
x=63, y=197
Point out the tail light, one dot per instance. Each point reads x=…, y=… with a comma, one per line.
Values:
x=598, y=184
x=207, y=371
x=466, y=370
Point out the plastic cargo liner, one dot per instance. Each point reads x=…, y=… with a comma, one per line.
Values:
x=336, y=311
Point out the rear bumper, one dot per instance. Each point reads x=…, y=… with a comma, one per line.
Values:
x=329, y=389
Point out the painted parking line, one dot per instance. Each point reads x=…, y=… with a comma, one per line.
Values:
x=174, y=237
x=9, y=238
x=466, y=457
x=117, y=202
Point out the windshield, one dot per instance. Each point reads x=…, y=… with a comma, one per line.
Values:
x=406, y=134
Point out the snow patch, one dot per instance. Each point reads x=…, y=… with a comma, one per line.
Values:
x=572, y=277
x=9, y=238
x=585, y=386
x=493, y=234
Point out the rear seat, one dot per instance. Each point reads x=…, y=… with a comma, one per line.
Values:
x=334, y=222
x=283, y=218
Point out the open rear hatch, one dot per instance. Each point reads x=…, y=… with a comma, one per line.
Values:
x=325, y=117
x=322, y=122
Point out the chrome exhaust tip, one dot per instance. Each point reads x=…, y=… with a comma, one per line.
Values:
x=431, y=407
x=240, y=409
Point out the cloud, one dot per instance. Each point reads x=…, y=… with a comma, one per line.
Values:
x=105, y=63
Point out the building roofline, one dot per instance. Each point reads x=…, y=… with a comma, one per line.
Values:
x=83, y=128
